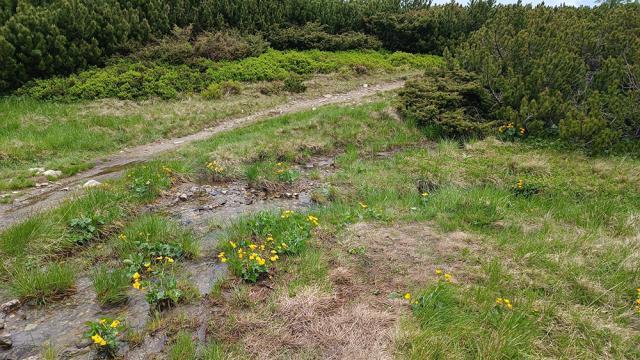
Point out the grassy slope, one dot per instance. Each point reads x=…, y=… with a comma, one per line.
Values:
x=70, y=136
x=567, y=256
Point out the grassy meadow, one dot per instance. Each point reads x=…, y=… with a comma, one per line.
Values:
x=505, y=249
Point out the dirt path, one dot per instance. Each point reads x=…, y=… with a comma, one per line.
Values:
x=37, y=200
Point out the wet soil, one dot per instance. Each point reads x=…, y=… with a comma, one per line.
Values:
x=36, y=200
x=203, y=208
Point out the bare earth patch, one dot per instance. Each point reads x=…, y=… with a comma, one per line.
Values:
x=359, y=317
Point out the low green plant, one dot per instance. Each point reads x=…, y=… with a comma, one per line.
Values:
x=212, y=92
x=294, y=84
x=183, y=347
x=525, y=189
x=162, y=289
x=41, y=284
x=253, y=245
x=286, y=174
x=84, y=228
x=104, y=335
x=110, y=285
x=146, y=182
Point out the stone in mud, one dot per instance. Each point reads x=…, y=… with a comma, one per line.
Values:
x=10, y=306
x=183, y=197
x=6, y=342
x=91, y=183
x=52, y=173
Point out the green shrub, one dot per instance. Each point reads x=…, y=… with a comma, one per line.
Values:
x=228, y=45
x=294, y=84
x=212, y=92
x=314, y=35
x=231, y=87
x=272, y=88
x=175, y=48
x=124, y=79
x=449, y=102
x=562, y=71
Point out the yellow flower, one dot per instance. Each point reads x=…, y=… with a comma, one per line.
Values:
x=97, y=339
x=253, y=246
x=363, y=205
x=260, y=261
x=313, y=220
x=284, y=246
x=169, y=260
x=233, y=245
x=269, y=238
x=136, y=285
x=286, y=214
x=115, y=323
x=438, y=272
x=425, y=194
x=240, y=255
x=499, y=301
x=122, y=237
x=221, y=255
x=279, y=164
x=274, y=252
x=147, y=264
x=274, y=258
x=103, y=321
x=224, y=260
x=159, y=258
x=407, y=296
x=448, y=277
x=252, y=256
x=262, y=247
x=136, y=276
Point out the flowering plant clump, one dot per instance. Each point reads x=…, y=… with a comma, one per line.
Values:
x=504, y=303
x=148, y=252
x=159, y=282
x=215, y=170
x=522, y=188
x=285, y=174
x=511, y=132
x=146, y=182
x=258, y=244
x=638, y=300
x=104, y=334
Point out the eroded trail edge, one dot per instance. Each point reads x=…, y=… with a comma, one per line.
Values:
x=37, y=200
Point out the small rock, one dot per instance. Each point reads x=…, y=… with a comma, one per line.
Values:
x=365, y=85
x=66, y=188
x=10, y=306
x=328, y=96
x=6, y=342
x=91, y=183
x=43, y=184
x=30, y=327
x=224, y=192
x=183, y=197
x=309, y=166
x=313, y=108
x=37, y=170
x=83, y=343
x=52, y=173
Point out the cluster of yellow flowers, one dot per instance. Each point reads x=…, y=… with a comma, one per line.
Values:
x=136, y=281
x=213, y=166
x=286, y=214
x=97, y=339
x=446, y=276
x=504, y=128
x=425, y=194
x=313, y=220
x=520, y=184
x=280, y=168
x=638, y=301
x=122, y=237
x=504, y=302
x=167, y=170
